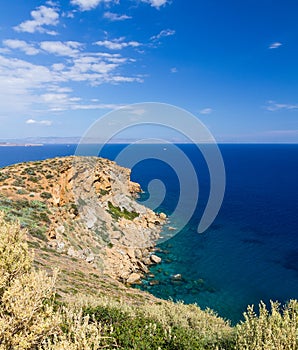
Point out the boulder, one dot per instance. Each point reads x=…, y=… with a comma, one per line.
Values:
x=163, y=216
x=143, y=267
x=133, y=278
x=90, y=258
x=155, y=259
x=176, y=277
x=147, y=261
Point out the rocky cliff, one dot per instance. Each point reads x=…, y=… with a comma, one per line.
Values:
x=83, y=209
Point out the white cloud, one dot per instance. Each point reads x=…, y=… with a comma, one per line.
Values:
x=156, y=3
x=206, y=111
x=21, y=45
x=68, y=48
x=114, y=17
x=59, y=89
x=59, y=101
x=58, y=67
x=34, y=89
x=39, y=122
x=163, y=33
x=42, y=16
x=272, y=106
x=86, y=5
x=117, y=44
x=54, y=97
x=95, y=106
x=275, y=45
x=121, y=79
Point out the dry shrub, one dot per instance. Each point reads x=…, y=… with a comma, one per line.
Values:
x=29, y=316
x=270, y=330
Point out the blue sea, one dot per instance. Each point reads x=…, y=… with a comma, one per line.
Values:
x=249, y=253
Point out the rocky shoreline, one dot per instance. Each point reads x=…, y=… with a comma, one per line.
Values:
x=90, y=212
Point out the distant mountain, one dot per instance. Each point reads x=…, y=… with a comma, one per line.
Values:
x=41, y=140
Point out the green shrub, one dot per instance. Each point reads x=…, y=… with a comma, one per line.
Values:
x=117, y=213
x=29, y=171
x=32, y=215
x=140, y=332
x=21, y=191
x=45, y=195
x=34, y=179
x=18, y=182
x=4, y=176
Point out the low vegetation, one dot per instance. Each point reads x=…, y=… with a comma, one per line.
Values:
x=33, y=215
x=276, y=329
x=31, y=316
x=118, y=213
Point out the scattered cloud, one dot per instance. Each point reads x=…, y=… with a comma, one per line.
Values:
x=117, y=44
x=114, y=17
x=26, y=87
x=21, y=45
x=275, y=45
x=174, y=70
x=68, y=48
x=272, y=106
x=95, y=106
x=86, y=5
x=162, y=34
x=156, y=3
x=39, y=122
x=42, y=16
x=206, y=111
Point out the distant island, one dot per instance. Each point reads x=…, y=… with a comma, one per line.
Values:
x=10, y=144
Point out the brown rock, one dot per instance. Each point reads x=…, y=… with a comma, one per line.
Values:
x=138, y=254
x=163, y=216
x=143, y=267
x=147, y=261
x=155, y=259
x=131, y=253
x=133, y=278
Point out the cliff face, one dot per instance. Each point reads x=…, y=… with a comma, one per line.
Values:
x=83, y=208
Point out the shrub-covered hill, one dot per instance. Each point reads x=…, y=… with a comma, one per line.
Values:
x=84, y=305
x=81, y=215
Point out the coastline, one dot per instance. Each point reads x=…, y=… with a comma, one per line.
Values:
x=21, y=145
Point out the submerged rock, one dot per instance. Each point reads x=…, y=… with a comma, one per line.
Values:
x=154, y=283
x=176, y=277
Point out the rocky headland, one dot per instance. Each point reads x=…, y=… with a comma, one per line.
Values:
x=83, y=210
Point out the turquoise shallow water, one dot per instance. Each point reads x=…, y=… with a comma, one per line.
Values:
x=250, y=253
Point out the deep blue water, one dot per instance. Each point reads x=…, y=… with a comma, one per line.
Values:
x=250, y=252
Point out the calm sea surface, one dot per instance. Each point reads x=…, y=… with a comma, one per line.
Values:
x=250, y=252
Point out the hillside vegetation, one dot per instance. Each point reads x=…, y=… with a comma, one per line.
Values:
x=31, y=316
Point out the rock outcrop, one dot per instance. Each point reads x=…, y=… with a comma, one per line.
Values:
x=85, y=208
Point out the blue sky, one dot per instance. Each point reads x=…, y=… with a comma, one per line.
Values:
x=233, y=64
